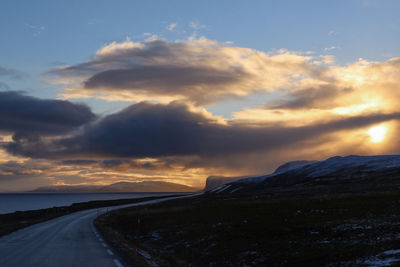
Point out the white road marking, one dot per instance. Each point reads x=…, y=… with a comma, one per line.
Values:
x=118, y=263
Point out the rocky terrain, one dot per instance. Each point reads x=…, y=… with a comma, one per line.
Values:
x=343, y=211
x=334, y=175
x=213, y=182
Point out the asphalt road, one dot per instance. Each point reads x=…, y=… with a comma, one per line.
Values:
x=70, y=240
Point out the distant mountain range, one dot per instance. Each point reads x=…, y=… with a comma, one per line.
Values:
x=147, y=186
x=340, y=174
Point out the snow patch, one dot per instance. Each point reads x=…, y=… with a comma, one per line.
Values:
x=380, y=262
x=391, y=252
x=359, y=164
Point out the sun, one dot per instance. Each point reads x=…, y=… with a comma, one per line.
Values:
x=377, y=133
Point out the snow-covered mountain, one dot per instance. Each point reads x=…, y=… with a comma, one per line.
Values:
x=333, y=171
x=292, y=165
x=214, y=182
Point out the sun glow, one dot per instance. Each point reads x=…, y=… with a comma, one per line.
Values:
x=353, y=109
x=377, y=133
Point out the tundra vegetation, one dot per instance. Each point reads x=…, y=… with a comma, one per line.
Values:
x=260, y=229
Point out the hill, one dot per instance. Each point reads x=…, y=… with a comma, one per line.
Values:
x=341, y=174
x=147, y=186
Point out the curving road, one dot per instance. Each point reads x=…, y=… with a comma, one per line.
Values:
x=70, y=240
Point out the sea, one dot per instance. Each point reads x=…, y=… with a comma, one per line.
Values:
x=11, y=202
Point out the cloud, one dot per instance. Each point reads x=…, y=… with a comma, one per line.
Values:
x=119, y=164
x=314, y=109
x=328, y=59
x=330, y=48
x=12, y=73
x=30, y=117
x=202, y=72
x=358, y=88
x=163, y=80
x=332, y=33
x=198, y=71
x=78, y=162
x=4, y=86
x=171, y=26
x=321, y=97
x=140, y=164
x=13, y=169
x=146, y=130
x=32, y=173
x=196, y=26
x=35, y=29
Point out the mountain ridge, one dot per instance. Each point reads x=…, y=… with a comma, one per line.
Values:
x=379, y=171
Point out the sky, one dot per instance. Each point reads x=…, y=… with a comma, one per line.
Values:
x=97, y=92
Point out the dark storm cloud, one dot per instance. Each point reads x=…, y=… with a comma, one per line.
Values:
x=166, y=80
x=156, y=130
x=110, y=163
x=145, y=130
x=11, y=169
x=79, y=162
x=135, y=164
x=126, y=164
x=29, y=116
x=316, y=97
x=12, y=73
x=199, y=71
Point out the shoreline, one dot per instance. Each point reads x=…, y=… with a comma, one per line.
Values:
x=27, y=201
x=11, y=222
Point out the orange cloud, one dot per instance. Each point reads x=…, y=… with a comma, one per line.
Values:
x=324, y=109
x=198, y=71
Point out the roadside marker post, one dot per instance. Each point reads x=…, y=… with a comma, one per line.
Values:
x=138, y=229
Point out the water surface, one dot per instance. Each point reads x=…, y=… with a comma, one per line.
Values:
x=33, y=201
